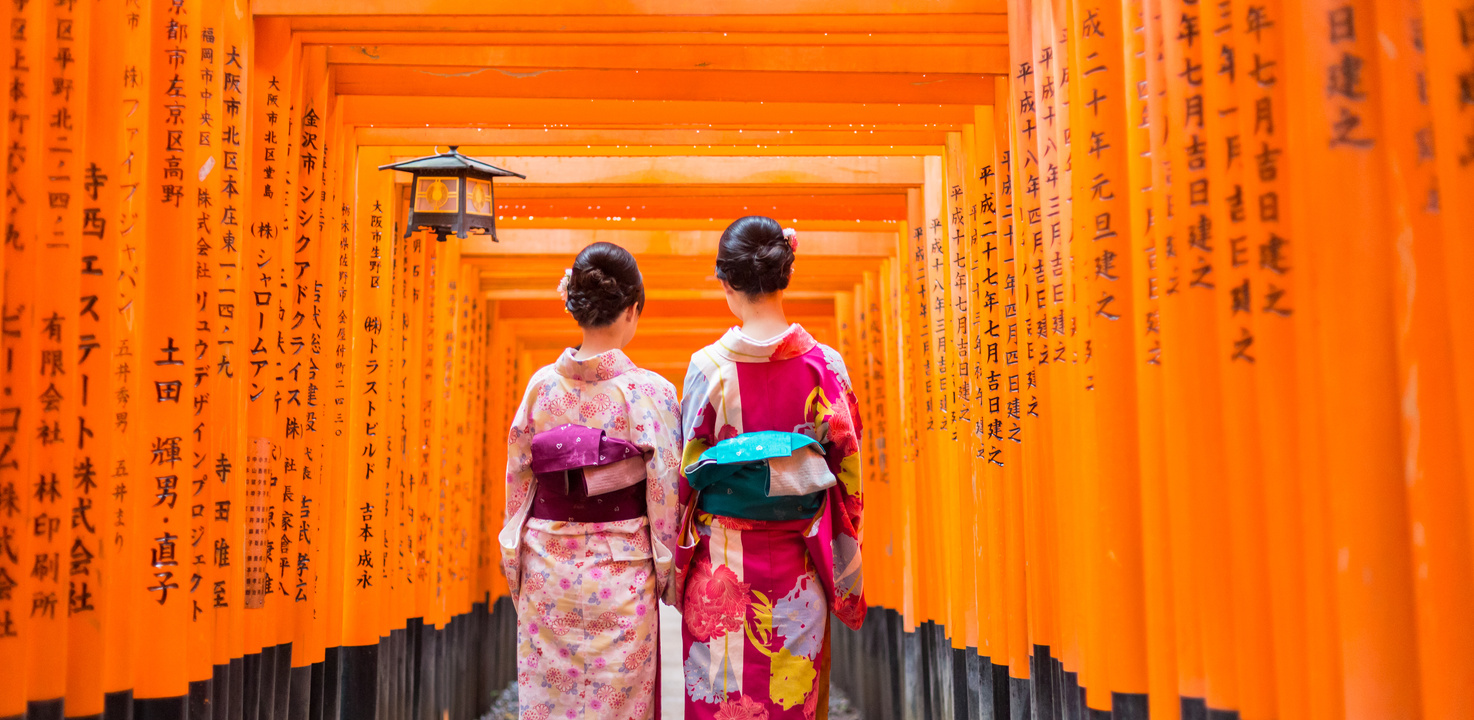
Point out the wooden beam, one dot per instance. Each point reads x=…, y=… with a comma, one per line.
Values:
x=700, y=287
x=684, y=224
x=992, y=19
x=616, y=84
x=929, y=58
x=661, y=140
x=603, y=36
x=672, y=269
x=522, y=242
x=657, y=308
x=693, y=150
x=424, y=111
x=871, y=207
x=713, y=292
x=674, y=346
x=575, y=8
x=526, y=190
x=695, y=170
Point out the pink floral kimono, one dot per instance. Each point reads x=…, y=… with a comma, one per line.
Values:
x=585, y=565
x=757, y=593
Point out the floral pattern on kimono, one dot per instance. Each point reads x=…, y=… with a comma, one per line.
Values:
x=758, y=593
x=587, y=593
x=587, y=636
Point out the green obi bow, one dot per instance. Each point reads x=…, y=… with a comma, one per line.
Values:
x=765, y=475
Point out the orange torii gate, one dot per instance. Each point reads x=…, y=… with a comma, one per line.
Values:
x=1158, y=313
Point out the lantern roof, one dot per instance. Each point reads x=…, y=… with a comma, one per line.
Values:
x=452, y=159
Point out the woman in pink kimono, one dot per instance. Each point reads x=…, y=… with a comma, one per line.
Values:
x=771, y=543
x=592, y=473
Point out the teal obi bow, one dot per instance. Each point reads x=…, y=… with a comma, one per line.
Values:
x=765, y=475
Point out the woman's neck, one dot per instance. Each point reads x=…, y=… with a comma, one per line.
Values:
x=596, y=341
x=765, y=319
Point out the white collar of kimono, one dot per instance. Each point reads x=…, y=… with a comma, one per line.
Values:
x=604, y=366
x=794, y=341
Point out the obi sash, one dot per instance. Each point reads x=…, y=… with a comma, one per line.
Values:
x=585, y=476
x=767, y=475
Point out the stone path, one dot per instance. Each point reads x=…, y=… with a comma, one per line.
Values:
x=672, y=680
x=672, y=677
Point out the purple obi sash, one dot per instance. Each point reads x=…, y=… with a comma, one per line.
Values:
x=585, y=476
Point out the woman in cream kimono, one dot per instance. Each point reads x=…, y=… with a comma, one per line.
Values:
x=592, y=473
x=772, y=544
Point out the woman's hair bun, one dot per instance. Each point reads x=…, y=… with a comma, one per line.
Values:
x=754, y=257
x=605, y=282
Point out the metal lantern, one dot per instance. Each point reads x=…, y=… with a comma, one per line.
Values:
x=451, y=194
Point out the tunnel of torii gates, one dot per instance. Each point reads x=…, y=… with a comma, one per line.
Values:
x=1159, y=313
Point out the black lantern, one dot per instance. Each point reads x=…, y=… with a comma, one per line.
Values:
x=451, y=194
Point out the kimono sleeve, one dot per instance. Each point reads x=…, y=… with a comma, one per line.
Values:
x=698, y=413
x=698, y=431
x=841, y=439
x=661, y=414
x=519, y=484
x=842, y=445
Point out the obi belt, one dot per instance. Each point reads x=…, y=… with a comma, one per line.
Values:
x=766, y=475
x=585, y=476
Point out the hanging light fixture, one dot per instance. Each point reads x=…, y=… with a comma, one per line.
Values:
x=452, y=193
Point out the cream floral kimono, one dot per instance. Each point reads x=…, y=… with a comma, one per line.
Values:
x=586, y=591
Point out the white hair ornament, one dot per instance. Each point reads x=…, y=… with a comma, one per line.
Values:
x=791, y=236
x=563, y=287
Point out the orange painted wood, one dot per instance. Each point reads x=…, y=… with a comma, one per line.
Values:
x=638, y=7
x=21, y=345
x=1026, y=504
x=931, y=57
x=94, y=507
x=425, y=552
x=910, y=280
x=641, y=242
x=204, y=43
x=1239, y=505
x=1103, y=252
x=730, y=204
x=982, y=247
x=1450, y=50
x=442, y=398
x=345, y=200
x=57, y=387
x=1260, y=40
x=233, y=308
x=1176, y=362
x=1024, y=179
x=1001, y=453
x=1433, y=462
x=418, y=74
x=693, y=170
x=162, y=491
x=744, y=139
x=1044, y=288
x=308, y=368
x=390, y=111
x=130, y=166
x=365, y=514
x=1147, y=178
x=962, y=619
x=978, y=20
x=270, y=73
x=937, y=508
x=460, y=35
x=1344, y=226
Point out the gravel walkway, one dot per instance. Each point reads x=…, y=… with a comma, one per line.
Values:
x=672, y=691
x=505, y=706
